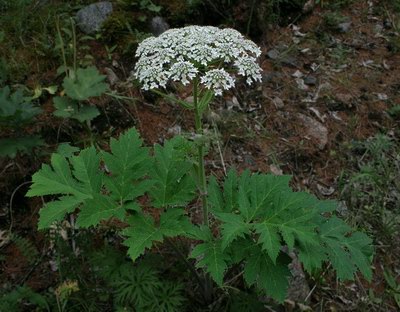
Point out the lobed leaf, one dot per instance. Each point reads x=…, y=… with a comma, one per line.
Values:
x=85, y=83
x=143, y=232
x=211, y=257
x=173, y=184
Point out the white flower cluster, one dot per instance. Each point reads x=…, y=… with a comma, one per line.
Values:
x=213, y=55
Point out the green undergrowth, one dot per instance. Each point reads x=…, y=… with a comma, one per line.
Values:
x=372, y=189
x=257, y=214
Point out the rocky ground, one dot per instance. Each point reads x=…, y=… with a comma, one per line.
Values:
x=330, y=80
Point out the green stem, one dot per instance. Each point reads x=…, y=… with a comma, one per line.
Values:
x=73, y=43
x=62, y=45
x=202, y=178
x=201, y=172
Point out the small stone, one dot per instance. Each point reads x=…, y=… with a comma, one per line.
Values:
x=271, y=76
x=344, y=98
x=310, y=80
x=275, y=170
x=378, y=28
x=90, y=18
x=315, y=130
x=278, y=102
x=297, y=74
x=115, y=64
x=111, y=76
x=324, y=190
x=344, y=27
x=158, y=25
x=175, y=130
x=273, y=54
x=382, y=96
x=300, y=84
x=291, y=62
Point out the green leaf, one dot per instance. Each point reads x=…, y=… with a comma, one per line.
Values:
x=269, y=207
x=347, y=250
x=80, y=184
x=170, y=173
x=56, y=210
x=99, y=208
x=68, y=108
x=311, y=256
x=211, y=257
x=215, y=199
x=174, y=99
x=15, y=108
x=10, y=147
x=85, y=83
x=206, y=99
x=272, y=278
x=269, y=239
x=67, y=150
x=230, y=191
x=86, y=113
x=128, y=163
x=359, y=246
x=85, y=186
x=65, y=107
x=233, y=227
x=142, y=231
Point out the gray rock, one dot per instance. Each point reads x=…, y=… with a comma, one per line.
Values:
x=291, y=62
x=111, y=76
x=271, y=76
x=91, y=17
x=316, y=130
x=278, y=102
x=273, y=54
x=158, y=25
x=310, y=80
x=344, y=27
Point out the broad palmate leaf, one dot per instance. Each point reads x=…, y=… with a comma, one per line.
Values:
x=85, y=83
x=263, y=211
x=82, y=184
x=68, y=108
x=15, y=108
x=78, y=185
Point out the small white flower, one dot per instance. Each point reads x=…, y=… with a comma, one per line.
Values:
x=248, y=68
x=202, y=52
x=183, y=71
x=217, y=80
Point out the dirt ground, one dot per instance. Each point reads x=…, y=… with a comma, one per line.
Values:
x=322, y=90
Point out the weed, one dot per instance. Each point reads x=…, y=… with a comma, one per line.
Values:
x=372, y=191
x=331, y=20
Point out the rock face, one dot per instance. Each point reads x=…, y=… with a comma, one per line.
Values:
x=91, y=17
x=158, y=25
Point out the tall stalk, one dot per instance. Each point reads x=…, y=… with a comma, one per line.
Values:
x=200, y=153
x=201, y=173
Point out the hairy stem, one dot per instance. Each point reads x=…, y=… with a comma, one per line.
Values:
x=202, y=178
x=201, y=170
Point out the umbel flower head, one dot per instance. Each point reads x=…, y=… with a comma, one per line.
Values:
x=212, y=55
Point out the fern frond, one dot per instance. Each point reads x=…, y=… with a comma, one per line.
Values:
x=168, y=298
x=26, y=248
x=136, y=285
